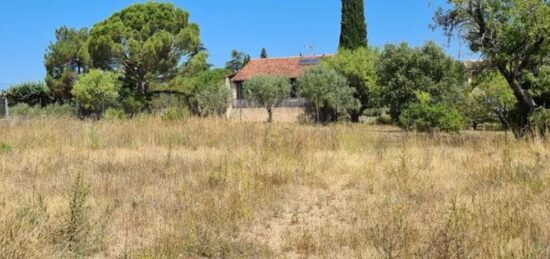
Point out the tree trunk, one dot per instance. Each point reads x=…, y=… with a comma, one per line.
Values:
x=270, y=114
x=519, y=122
x=355, y=116
x=317, y=113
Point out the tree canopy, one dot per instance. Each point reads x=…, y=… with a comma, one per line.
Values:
x=263, y=54
x=30, y=93
x=404, y=70
x=151, y=43
x=513, y=37
x=359, y=67
x=267, y=91
x=238, y=61
x=329, y=93
x=65, y=59
x=353, y=33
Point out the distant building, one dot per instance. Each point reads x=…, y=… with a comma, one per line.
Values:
x=288, y=67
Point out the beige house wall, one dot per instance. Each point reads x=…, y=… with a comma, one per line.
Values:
x=281, y=114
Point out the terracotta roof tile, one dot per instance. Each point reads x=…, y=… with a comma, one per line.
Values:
x=290, y=67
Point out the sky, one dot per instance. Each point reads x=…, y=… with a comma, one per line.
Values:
x=283, y=27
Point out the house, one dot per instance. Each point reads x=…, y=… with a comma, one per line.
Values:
x=291, y=109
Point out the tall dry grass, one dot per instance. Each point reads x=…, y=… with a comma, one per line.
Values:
x=146, y=188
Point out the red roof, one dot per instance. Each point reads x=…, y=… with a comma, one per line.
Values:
x=291, y=67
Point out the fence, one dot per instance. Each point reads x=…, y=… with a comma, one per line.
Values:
x=287, y=103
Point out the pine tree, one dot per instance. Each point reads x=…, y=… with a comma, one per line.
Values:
x=354, y=28
x=264, y=53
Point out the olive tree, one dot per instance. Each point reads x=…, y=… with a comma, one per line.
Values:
x=267, y=91
x=359, y=68
x=329, y=93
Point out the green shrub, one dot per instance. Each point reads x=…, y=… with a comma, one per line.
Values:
x=384, y=119
x=113, y=114
x=428, y=118
x=53, y=110
x=540, y=121
x=82, y=233
x=59, y=110
x=175, y=114
x=96, y=91
x=31, y=93
x=23, y=110
x=212, y=100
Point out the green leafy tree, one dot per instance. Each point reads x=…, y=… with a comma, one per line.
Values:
x=267, y=91
x=329, y=93
x=488, y=100
x=210, y=96
x=238, y=61
x=212, y=99
x=353, y=33
x=65, y=60
x=513, y=38
x=147, y=42
x=29, y=93
x=359, y=67
x=263, y=54
x=96, y=91
x=403, y=71
x=425, y=116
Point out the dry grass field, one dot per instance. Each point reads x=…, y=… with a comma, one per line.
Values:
x=146, y=188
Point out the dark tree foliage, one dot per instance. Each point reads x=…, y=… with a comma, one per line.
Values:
x=65, y=59
x=30, y=93
x=263, y=54
x=151, y=43
x=238, y=61
x=403, y=71
x=353, y=33
x=513, y=37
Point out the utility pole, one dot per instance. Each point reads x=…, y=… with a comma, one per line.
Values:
x=6, y=107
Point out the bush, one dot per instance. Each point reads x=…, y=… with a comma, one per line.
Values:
x=404, y=70
x=163, y=101
x=175, y=114
x=384, y=119
x=53, y=110
x=59, y=110
x=30, y=93
x=540, y=121
x=213, y=99
x=113, y=114
x=428, y=118
x=96, y=91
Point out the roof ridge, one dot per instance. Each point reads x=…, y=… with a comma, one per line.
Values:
x=290, y=57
